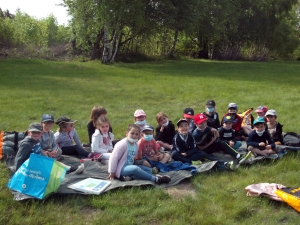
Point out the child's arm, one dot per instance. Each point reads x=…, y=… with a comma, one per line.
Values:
x=251, y=141
x=76, y=138
x=97, y=141
x=139, y=154
x=22, y=155
x=110, y=145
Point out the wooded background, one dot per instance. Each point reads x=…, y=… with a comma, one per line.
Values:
x=112, y=30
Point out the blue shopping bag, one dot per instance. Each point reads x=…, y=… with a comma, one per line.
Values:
x=38, y=177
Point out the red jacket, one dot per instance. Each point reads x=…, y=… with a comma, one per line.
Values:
x=236, y=123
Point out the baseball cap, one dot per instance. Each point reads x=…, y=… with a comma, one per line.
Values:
x=188, y=113
x=232, y=105
x=139, y=112
x=211, y=103
x=64, y=119
x=261, y=108
x=271, y=112
x=147, y=127
x=199, y=118
x=47, y=117
x=181, y=120
x=227, y=119
x=258, y=120
x=35, y=127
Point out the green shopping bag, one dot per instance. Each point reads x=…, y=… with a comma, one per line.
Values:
x=38, y=177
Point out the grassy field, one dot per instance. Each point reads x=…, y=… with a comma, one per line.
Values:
x=31, y=88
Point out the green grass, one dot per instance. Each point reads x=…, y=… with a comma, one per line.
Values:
x=31, y=88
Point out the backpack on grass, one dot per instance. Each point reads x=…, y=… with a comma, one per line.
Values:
x=291, y=139
x=9, y=142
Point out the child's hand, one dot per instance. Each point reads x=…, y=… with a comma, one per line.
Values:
x=184, y=154
x=159, y=156
x=268, y=147
x=161, y=128
x=231, y=143
x=110, y=151
x=262, y=144
x=111, y=176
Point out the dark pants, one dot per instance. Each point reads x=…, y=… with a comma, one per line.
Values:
x=75, y=150
x=218, y=146
x=198, y=155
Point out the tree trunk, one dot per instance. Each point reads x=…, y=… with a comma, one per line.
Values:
x=117, y=47
x=105, y=46
x=96, y=48
x=172, y=51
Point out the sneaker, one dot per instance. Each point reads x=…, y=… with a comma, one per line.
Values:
x=244, y=157
x=76, y=169
x=95, y=156
x=230, y=165
x=163, y=179
x=273, y=156
x=60, y=158
x=198, y=162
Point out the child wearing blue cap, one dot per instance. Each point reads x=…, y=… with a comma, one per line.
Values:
x=259, y=140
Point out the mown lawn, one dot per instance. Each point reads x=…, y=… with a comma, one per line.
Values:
x=30, y=88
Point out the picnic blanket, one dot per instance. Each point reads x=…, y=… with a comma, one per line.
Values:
x=99, y=170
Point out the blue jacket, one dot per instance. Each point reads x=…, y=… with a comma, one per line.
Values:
x=254, y=139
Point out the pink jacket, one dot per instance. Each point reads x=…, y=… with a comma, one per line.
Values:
x=118, y=157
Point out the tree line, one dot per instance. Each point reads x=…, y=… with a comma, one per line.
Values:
x=212, y=29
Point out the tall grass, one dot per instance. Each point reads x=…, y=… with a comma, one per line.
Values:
x=30, y=88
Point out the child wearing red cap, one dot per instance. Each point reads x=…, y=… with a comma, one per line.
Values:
x=206, y=139
x=188, y=114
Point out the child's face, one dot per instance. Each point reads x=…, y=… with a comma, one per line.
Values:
x=201, y=125
x=70, y=127
x=47, y=126
x=232, y=110
x=227, y=125
x=35, y=135
x=183, y=128
x=188, y=119
x=133, y=133
x=259, y=127
x=104, y=127
x=260, y=114
x=140, y=118
x=163, y=120
x=271, y=118
x=147, y=132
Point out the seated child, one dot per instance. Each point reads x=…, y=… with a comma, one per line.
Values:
x=236, y=120
x=147, y=146
x=227, y=134
x=96, y=112
x=122, y=158
x=102, y=138
x=188, y=114
x=184, y=147
x=140, y=118
x=165, y=131
x=259, y=141
x=65, y=136
x=211, y=114
x=206, y=140
x=31, y=145
x=274, y=127
x=48, y=144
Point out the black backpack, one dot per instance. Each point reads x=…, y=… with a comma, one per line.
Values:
x=291, y=139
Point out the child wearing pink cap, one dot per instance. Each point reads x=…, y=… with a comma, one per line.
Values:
x=140, y=118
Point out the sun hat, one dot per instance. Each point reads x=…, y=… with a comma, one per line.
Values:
x=258, y=120
x=271, y=112
x=64, y=119
x=261, y=108
x=35, y=127
x=199, y=118
x=148, y=127
x=232, y=106
x=188, y=113
x=139, y=112
x=47, y=117
x=210, y=103
x=181, y=120
x=227, y=119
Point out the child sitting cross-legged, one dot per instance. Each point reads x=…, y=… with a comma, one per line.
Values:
x=148, y=147
x=259, y=140
x=184, y=148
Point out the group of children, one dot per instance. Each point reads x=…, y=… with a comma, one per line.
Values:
x=196, y=137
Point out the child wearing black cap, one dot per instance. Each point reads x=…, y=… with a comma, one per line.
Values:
x=188, y=114
x=66, y=135
x=211, y=114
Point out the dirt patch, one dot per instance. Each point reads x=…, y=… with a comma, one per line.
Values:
x=181, y=190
